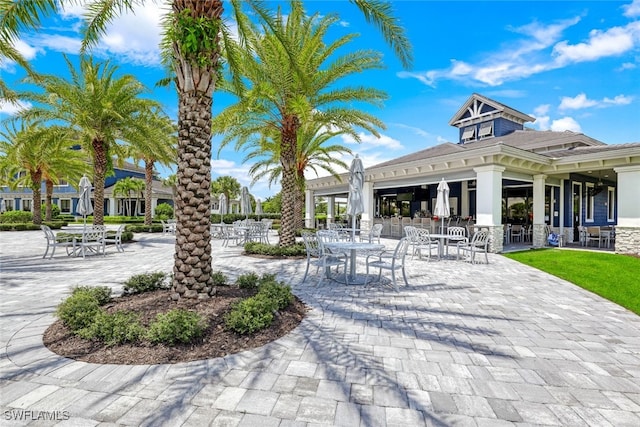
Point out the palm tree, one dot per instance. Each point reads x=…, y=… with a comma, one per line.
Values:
x=194, y=31
x=312, y=153
x=100, y=107
x=157, y=145
x=280, y=94
x=227, y=185
x=43, y=153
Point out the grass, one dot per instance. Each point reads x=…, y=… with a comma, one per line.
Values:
x=614, y=277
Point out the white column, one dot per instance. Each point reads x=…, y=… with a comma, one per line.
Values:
x=464, y=199
x=489, y=195
x=628, y=210
x=331, y=207
x=561, y=207
x=539, y=238
x=112, y=206
x=628, y=199
x=489, y=203
x=366, y=219
x=310, y=209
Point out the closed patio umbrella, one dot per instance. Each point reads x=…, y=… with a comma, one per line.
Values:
x=355, y=204
x=84, y=207
x=245, y=202
x=222, y=205
x=3, y=206
x=442, y=203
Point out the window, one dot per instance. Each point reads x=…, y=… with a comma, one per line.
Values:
x=611, y=204
x=589, y=205
x=8, y=204
x=62, y=183
x=469, y=133
x=27, y=205
x=65, y=206
x=486, y=130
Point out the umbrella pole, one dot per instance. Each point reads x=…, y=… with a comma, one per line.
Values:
x=353, y=228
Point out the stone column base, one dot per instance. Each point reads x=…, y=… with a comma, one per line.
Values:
x=496, y=237
x=539, y=238
x=627, y=240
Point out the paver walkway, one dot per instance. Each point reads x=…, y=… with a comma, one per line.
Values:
x=484, y=345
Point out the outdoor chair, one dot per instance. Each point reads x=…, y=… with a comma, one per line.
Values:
x=392, y=261
x=53, y=241
x=373, y=234
x=479, y=243
x=455, y=234
x=318, y=255
x=268, y=224
x=410, y=232
x=517, y=233
x=168, y=226
x=395, y=226
x=93, y=240
x=426, y=244
x=116, y=239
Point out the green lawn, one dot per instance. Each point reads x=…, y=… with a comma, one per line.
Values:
x=614, y=277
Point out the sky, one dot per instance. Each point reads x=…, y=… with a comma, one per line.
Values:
x=572, y=65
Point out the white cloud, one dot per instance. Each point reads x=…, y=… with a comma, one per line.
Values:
x=632, y=10
x=540, y=50
x=58, y=43
x=420, y=132
x=369, y=141
x=627, y=66
x=581, y=101
x=541, y=114
x=565, y=123
x=11, y=109
x=600, y=44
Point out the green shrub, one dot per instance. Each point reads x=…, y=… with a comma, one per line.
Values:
x=55, y=210
x=145, y=282
x=79, y=310
x=114, y=328
x=248, y=281
x=141, y=228
x=257, y=248
x=266, y=278
x=102, y=294
x=177, y=325
x=16, y=217
x=219, y=278
x=163, y=211
x=250, y=315
x=279, y=294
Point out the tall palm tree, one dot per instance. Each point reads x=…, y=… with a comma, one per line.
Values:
x=157, y=145
x=227, y=185
x=43, y=153
x=281, y=94
x=312, y=153
x=100, y=107
x=195, y=28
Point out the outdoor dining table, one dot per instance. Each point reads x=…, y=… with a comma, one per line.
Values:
x=354, y=248
x=445, y=238
x=80, y=245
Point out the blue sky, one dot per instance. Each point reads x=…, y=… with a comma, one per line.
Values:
x=573, y=65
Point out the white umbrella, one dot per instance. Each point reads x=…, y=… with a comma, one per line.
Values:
x=442, y=203
x=259, y=207
x=84, y=207
x=245, y=202
x=222, y=205
x=3, y=206
x=355, y=204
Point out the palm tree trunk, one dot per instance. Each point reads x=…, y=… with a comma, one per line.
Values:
x=99, y=174
x=36, y=183
x=48, y=199
x=148, y=191
x=192, y=269
x=289, y=137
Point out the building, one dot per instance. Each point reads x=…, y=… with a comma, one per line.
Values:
x=66, y=196
x=499, y=171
